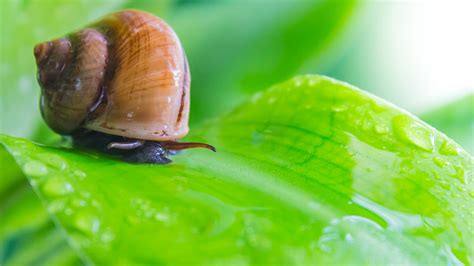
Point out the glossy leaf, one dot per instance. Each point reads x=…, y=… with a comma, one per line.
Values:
x=310, y=171
x=27, y=234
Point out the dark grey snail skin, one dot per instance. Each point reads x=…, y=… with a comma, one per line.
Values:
x=137, y=151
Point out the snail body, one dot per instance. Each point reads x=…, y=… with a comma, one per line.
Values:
x=125, y=77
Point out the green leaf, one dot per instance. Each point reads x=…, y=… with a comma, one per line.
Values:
x=456, y=120
x=235, y=48
x=27, y=235
x=310, y=171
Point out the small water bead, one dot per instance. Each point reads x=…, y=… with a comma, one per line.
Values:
x=56, y=206
x=413, y=132
x=56, y=187
x=162, y=217
x=314, y=81
x=54, y=160
x=440, y=162
x=341, y=233
x=381, y=129
x=86, y=222
x=377, y=107
x=339, y=107
x=35, y=169
x=471, y=193
x=299, y=81
x=78, y=202
x=79, y=239
x=460, y=174
x=449, y=148
x=445, y=185
x=107, y=236
x=79, y=174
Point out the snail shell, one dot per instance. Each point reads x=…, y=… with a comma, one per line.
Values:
x=124, y=75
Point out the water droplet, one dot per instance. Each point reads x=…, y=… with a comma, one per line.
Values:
x=55, y=161
x=339, y=107
x=449, y=148
x=436, y=176
x=162, y=217
x=107, y=236
x=366, y=125
x=56, y=206
x=79, y=174
x=87, y=222
x=298, y=81
x=314, y=81
x=381, y=129
x=445, y=185
x=34, y=169
x=56, y=186
x=348, y=238
x=78, y=202
x=439, y=161
x=460, y=174
x=412, y=132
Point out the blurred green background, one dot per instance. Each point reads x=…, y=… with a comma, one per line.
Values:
x=417, y=55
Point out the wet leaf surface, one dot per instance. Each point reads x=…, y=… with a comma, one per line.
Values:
x=309, y=171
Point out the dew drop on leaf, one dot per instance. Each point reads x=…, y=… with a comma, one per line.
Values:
x=439, y=161
x=56, y=187
x=339, y=108
x=87, y=222
x=56, y=206
x=449, y=148
x=412, y=132
x=460, y=174
x=34, y=169
x=381, y=129
x=107, y=236
x=55, y=161
x=79, y=174
x=78, y=202
x=445, y=185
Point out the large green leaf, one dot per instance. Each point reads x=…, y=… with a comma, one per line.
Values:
x=311, y=170
x=456, y=119
x=27, y=235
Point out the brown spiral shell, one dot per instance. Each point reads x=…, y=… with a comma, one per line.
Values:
x=125, y=75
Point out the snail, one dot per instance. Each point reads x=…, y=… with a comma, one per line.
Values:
x=120, y=85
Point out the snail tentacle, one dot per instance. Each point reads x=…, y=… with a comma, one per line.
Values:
x=176, y=146
x=125, y=145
